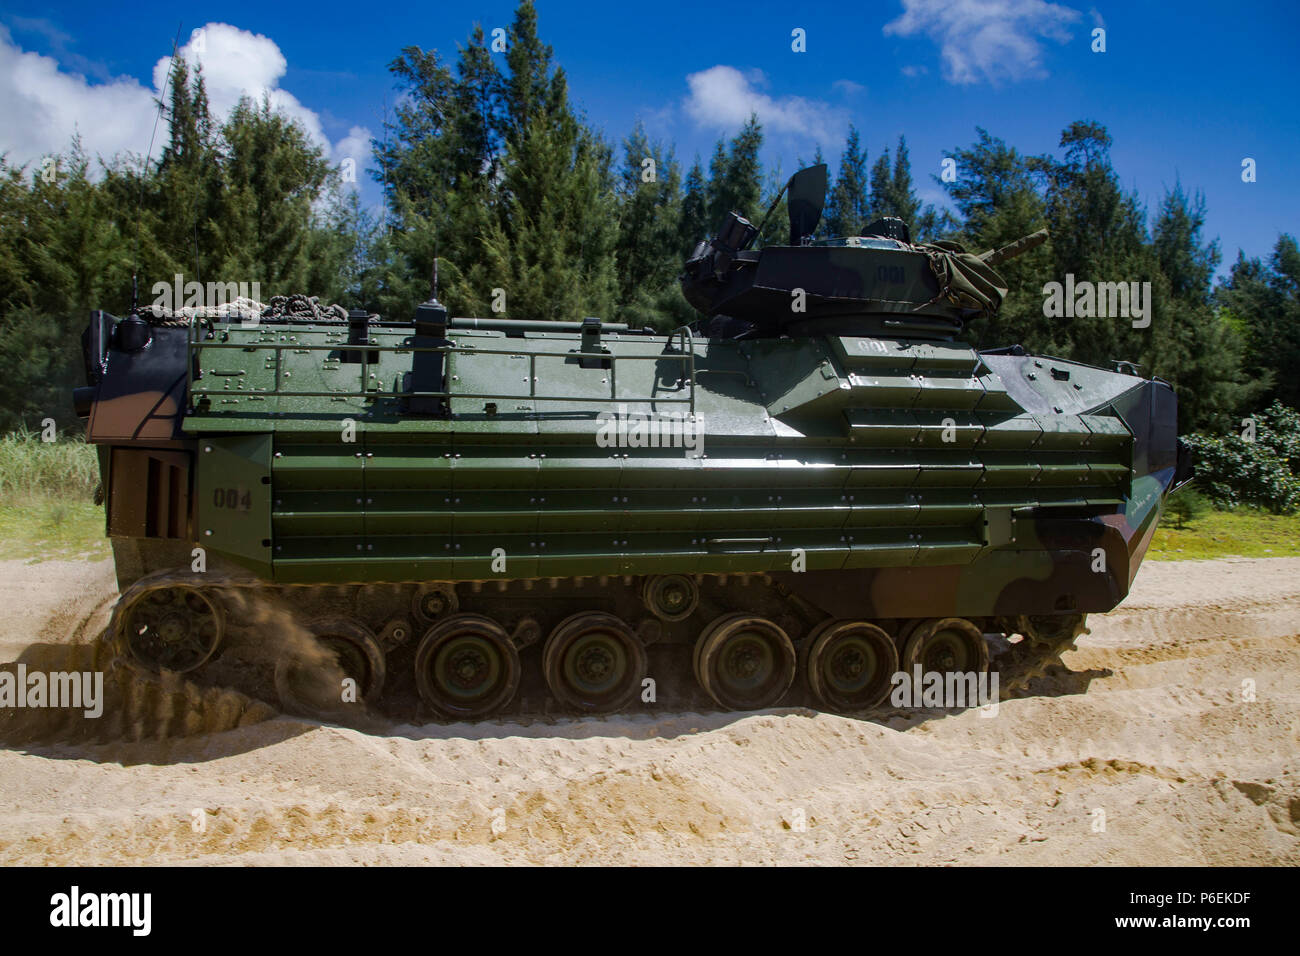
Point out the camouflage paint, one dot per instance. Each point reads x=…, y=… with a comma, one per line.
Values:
x=908, y=478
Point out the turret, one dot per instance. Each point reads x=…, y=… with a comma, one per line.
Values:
x=880, y=284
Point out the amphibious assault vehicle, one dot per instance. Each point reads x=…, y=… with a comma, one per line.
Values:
x=459, y=517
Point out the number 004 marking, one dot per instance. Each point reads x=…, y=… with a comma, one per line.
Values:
x=232, y=498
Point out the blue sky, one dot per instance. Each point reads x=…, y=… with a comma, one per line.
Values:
x=1187, y=90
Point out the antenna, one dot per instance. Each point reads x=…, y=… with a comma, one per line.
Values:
x=144, y=169
x=772, y=208
x=388, y=226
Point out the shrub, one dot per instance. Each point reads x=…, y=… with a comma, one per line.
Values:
x=1233, y=470
x=1186, y=505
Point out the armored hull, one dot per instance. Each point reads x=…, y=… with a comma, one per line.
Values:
x=475, y=517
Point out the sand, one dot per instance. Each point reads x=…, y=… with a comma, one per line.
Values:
x=1172, y=740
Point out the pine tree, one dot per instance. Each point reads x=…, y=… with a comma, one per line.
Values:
x=1187, y=263
x=550, y=245
x=892, y=194
x=882, y=187
x=997, y=198
x=273, y=176
x=646, y=254
x=62, y=254
x=15, y=285
x=903, y=201
x=849, y=204
x=694, y=224
x=735, y=176
x=180, y=209
x=1098, y=235
x=1262, y=301
x=440, y=163
x=1206, y=365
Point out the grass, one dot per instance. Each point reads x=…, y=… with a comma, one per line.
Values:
x=47, y=507
x=64, y=468
x=1220, y=534
x=39, y=527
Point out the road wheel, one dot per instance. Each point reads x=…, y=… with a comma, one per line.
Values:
x=466, y=667
x=744, y=662
x=849, y=665
x=594, y=663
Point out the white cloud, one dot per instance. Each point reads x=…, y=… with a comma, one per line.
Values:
x=723, y=97
x=356, y=147
x=42, y=107
x=989, y=40
x=61, y=45
x=238, y=63
x=849, y=87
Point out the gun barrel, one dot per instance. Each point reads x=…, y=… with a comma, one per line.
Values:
x=1019, y=247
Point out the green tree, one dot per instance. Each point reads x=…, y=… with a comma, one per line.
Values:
x=849, y=203
x=493, y=174
x=550, y=245
x=1262, y=301
x=62, y=262
x=1187, y=263
x=646, y=254
x=882, y=187
x=735, y=176
x=892, y=194
x=997, y=197
x=440, y=161
x=182, y=212
x=694, y=224
x=1186, y=504
x=1099, y=235
x=1195, y=348
x=273, y=174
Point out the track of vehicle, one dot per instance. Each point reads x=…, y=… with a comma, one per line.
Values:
x=358, y=652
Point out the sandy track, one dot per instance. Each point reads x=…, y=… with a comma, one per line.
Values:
x=1153, y=732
